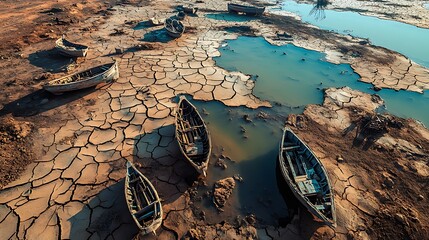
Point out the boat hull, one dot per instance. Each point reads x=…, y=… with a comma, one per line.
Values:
x=295, y=190
x=171, y=30
x=156, y=223
x=70, y=49
x=182, y=137
x=236, y=8
x=112, y=73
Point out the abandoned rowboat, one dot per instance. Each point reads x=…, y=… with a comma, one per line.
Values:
x=193, y=136
x=70, y=49
x=250, y=10
x=88, y=78
x=174, y=27
x=188, y=9
x=142, y=200
x=307, y=177
x=156, y=21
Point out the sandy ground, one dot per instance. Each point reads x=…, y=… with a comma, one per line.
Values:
x=70, y=150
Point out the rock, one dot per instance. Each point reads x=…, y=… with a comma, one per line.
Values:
x=222, y=191
x=381, y=196
x=262, y=115
x=221, y=163
x=247, y=118
x=238, y=177
x=119, y=50
x=340, y=158
x=193, y=234
x=400, y=218
x=251, y=219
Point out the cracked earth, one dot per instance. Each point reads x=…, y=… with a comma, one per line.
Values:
x=74, y=187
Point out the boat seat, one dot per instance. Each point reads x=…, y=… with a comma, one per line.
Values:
x=192, y=128
x=320, y=207
x=145, y=212
x=288, y=148
x=146, y=216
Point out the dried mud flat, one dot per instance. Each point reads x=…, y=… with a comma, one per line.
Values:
x=76, y=144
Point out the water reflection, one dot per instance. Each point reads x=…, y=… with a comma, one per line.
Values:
x=401, y=37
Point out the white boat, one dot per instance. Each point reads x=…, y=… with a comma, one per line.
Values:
x=70, y=49
x=251, y=10
x=85, y=79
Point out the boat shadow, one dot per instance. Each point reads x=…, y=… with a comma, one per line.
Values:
x=106, y=215
x=50, y=60
x=230, y=17
x=159, y=35
x=41, y=101
x=158, y=157
x=143, y=25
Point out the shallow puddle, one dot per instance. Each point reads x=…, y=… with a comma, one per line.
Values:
x=401, y=37
x=295, y=77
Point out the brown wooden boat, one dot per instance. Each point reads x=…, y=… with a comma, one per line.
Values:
x=143, y=201
x=193, y=136
x=306, y=177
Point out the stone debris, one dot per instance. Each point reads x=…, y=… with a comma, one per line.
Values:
x=222, y=191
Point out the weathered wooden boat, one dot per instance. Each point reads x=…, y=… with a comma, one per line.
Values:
x=143, y=201
x=181, y=15
x=306, y=177
x=85, y=79
x=250, y=10
x=174, y=27
x=156, y=21
x=70, y=49
x=193, y=136
x=188, y=9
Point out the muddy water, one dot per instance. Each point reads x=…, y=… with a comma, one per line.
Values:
x=403, y=38
x=252, y=148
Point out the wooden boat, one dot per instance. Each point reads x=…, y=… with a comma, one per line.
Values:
x=142, y=200
x=156, y=21
x=251, y=10
x=174, y=27
x=188, y=9
x=181, y=15
x=70, y=49
x=307, y=177
x=88, y=78
x=193, y=136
